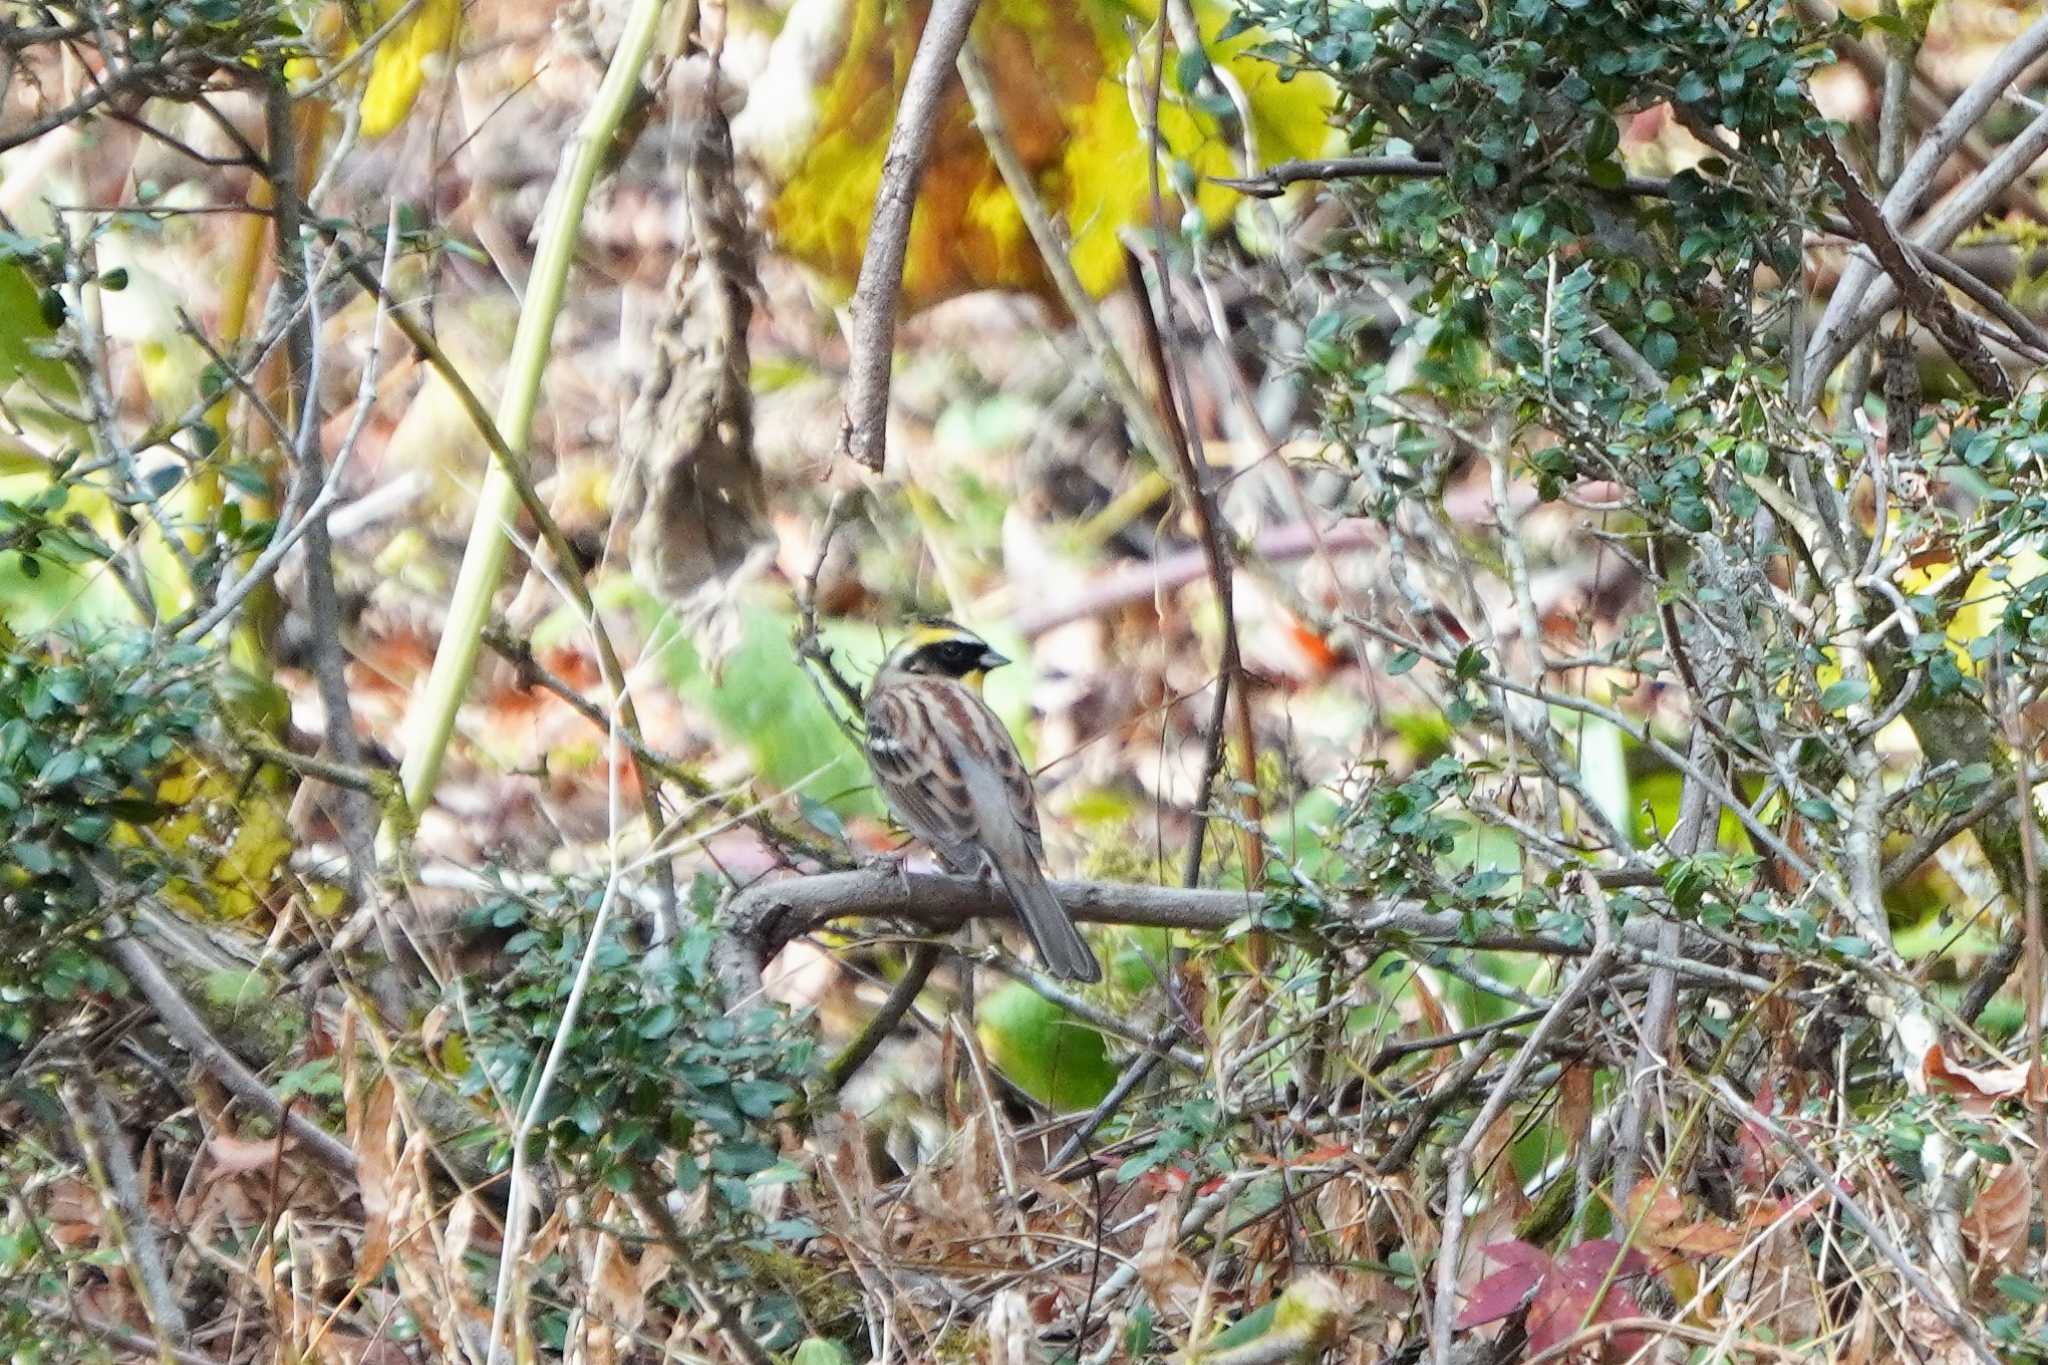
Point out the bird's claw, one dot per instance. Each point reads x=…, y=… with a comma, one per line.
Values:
x=895, y=863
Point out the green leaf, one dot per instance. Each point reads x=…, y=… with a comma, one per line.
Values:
x=1049, y=1054
x=2021, y=1290
x=1816, y=810
x=233, y=988
x=1840, y=696
x=758, y=1099
x=314, y=1078
x=821, y=817
x=1660, y=348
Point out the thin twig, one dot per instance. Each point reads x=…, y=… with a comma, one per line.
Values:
x=519, y=654
x=1135, y=1071
x=528, y=1114
x=1855, y=306
x=1276, y=180
x=110, y=1333
x=1926, y=302
x=2031, y=984
x=430, y=720
x=1049, y=237
x=645, y=1198
x=841, y=1068
x=296, y=296
x=1906, y=862
x=1958, y=1319
x=112, y=1168
x=1230, y=674
x=811, y=650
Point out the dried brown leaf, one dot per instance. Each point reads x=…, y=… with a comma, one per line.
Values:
x=1434, y=1020
x=1663, y=1222
x=1575, y=1104
x=1932, y=1339
x=692, y=483
x=1775, y=1283
x=1980, y=1088
x=1496, y=1158
x=232, y=1156
x=2001, y=1217
x=1171, y=1280
x=1012, y=1334
x=373, y=1135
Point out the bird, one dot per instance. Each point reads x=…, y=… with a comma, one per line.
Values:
x=951, y=773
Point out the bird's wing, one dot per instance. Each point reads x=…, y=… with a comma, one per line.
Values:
x=919, y=771
x=1008, y=810
x=1015, y=800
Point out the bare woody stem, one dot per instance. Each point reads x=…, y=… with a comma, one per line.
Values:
x=758, y=922
x=877, y=297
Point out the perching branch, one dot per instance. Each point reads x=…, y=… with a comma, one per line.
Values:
x=759, y=921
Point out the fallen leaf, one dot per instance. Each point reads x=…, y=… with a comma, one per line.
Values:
x=1662, y=1221
x=1586, y=1287
x=1505, y=1291
x=1980, y=1087
x=1562, y=1293
x=1496, y=1159
x=234, y=1156
x=2001, y=1217
x=1575, y=1104
x=1759, y=1161
x=1171, y=1279
x=375, y=1142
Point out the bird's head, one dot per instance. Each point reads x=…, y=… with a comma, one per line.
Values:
x=939, y=648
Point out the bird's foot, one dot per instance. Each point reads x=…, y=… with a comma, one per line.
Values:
x=897, y=863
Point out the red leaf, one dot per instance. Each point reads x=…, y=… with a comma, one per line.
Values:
x=1505, y=1291
x=1588, y=1261
x=1565, y=1301
x=1560, y=1293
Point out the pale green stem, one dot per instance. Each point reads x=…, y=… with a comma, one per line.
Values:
x=431, y=721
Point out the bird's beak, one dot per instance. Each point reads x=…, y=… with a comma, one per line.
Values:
x=991, y=659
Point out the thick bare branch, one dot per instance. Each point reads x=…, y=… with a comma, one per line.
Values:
x=760, y=920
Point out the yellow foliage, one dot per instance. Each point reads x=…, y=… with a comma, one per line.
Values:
x=232, y=879
x=1983, y=603
x=1072, y=101
x=400, y=66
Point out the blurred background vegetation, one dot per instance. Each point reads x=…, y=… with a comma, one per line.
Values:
x=1534, y=507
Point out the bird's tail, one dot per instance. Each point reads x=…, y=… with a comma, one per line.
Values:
x=1060, y=945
